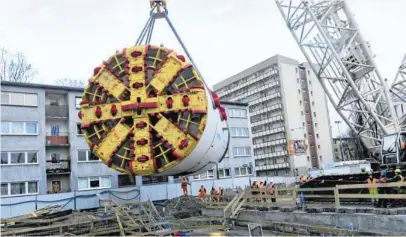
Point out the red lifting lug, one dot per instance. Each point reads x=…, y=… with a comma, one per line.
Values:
x=183, y=144
x=141, y=124
x=181, y=57
x=136, y=53
x=223, y=113
x=137, y=85
x=142, y=142
x=185, y=100
x=80, y=114
x=96, y=71
x=143, y=158
x=169, y=103
x=136, y=69
x=216, y=99
x=98, y=112
x=113, y=110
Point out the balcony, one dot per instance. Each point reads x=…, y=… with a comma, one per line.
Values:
x=57, y=111
x=58, y=166
x=59, y=139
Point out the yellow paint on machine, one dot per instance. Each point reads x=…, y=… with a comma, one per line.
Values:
x=142, y=168
x=110, y=83
x=112, y=141
x=168, y=71
x=174, y=136
x=89, y=112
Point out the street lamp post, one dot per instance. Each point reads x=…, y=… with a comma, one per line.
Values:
x=341, y=143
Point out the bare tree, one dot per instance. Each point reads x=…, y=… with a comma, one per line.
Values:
x=14, y=67
x=360, y=151
x=70, y=82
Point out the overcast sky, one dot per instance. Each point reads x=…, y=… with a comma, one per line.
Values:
x=68, y=38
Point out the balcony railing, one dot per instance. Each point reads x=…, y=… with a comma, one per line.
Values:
x=58, y=166
x=57, y=111
x=57, y=139
x=59, y=191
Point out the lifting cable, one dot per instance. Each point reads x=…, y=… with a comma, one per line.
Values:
x=146, y=35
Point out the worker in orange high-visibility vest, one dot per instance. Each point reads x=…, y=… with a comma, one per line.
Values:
x=372, y=190
x=202, y=193
x=184, y=184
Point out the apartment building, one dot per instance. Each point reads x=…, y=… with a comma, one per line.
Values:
x=239, y=159
x=42, y=148
x=288, y=114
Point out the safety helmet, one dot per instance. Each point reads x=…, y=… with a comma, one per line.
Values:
x=397, y=171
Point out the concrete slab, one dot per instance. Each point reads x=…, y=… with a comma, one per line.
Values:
x=382, y=224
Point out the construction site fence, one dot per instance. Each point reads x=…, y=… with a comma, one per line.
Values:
x=295, y=195
x=11, y=207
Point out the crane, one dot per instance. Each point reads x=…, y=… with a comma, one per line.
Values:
x=329, y=38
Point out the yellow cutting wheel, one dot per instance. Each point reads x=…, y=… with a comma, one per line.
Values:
x=144, y=110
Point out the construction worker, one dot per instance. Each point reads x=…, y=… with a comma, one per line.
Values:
x=383, y=202
x=372, y=190
x=184, y=184
x=303, y=179
x=213, y=194
x=398, y=178
x=202, y=193
x=221, y=194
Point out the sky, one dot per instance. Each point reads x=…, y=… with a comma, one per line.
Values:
x=68, y=38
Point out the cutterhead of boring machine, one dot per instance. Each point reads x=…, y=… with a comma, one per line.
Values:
x=146, y=111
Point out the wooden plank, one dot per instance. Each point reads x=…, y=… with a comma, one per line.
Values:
x=379, y=185
x=369, y=196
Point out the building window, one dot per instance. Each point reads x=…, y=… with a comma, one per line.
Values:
x=298, y=91
x=242, y=171
x=318, y=146
x=19, y=128
x=315, y=124
x=237, y=113
x=79, y=130
x=19, y=188
x=300, y=102
x=304, y=124
x=314, y=114
x=206, y=175
x=304, y=135
x=239, y=132
x=317, y=135
x=20, y=99
x=312, y=102
x=301, y=112
x=124, y=180
x=96, y=182
x=241, y=151
x=154, y=179
x=86, y=156
x=321, y=158
x=224, y=173
x=77, y=102
x=19, y=158
x=310, y=82
x=311, y=92
x=286, y=172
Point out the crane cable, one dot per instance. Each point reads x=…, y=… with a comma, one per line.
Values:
x=147, y=31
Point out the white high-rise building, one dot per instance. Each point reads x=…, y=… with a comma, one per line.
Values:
x=288, y=113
